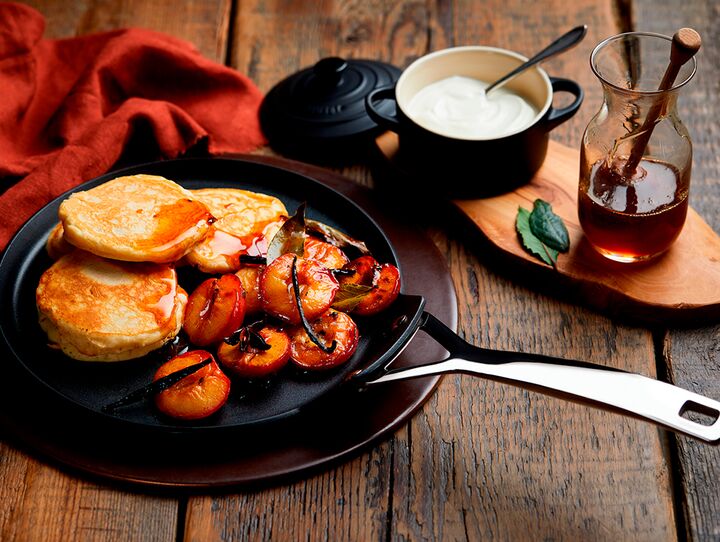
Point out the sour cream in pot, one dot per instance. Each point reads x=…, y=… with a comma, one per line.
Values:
x=458, y=107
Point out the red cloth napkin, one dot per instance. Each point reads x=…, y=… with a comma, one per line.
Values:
x=69, y=108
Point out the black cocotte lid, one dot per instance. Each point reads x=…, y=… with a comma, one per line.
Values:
x=319, y=113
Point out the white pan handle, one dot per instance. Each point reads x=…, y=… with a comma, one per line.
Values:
x=639, y=395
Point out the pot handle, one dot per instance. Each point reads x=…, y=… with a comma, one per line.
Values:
x=388, y=122
x=596, y=385
x=558, y=116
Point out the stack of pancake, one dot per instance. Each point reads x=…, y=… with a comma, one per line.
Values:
x=113, y=293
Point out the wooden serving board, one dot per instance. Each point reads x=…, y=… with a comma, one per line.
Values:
x=681, y=286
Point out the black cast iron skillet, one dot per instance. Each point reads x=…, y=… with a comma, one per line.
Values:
x=91, y=386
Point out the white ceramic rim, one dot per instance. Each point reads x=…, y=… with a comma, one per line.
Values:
x=479, y=48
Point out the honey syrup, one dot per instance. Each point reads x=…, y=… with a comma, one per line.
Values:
x=633, y=219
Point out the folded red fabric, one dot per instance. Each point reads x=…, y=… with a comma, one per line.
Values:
x=71, y=107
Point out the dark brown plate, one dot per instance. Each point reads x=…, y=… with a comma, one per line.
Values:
x=255, y=454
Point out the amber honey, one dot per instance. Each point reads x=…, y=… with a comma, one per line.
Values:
x=633, y=219
x=175, y=223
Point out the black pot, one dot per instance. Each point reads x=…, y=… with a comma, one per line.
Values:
x=472, y=167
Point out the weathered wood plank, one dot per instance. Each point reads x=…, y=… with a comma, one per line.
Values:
x=273, y=39
x=693, y=356
x=40, y=502
x=346, y=503
x=202, y=22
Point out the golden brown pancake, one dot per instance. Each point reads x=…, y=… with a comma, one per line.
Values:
x=96, y=309
x=56, y=245
x=246, y=222
x=141, y=218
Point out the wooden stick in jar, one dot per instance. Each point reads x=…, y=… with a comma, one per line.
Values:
x=685, y=43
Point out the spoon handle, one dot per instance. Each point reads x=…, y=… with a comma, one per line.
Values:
x=563, y=43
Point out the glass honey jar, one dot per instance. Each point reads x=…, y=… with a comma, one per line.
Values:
x=636, y=154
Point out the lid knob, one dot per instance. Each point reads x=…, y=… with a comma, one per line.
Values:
x=329, y=71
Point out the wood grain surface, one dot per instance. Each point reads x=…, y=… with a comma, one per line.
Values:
x=481, y=460
x=692, y=357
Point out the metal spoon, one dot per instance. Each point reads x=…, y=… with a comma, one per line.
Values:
x=563, y=43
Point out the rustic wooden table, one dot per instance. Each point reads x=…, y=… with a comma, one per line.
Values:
x=480, y=460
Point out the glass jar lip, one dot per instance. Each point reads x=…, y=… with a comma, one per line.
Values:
x=618, y=37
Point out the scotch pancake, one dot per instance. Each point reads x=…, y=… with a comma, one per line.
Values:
x=56, y=245
x=102, y=310
x=246, y=222
x=141, y=218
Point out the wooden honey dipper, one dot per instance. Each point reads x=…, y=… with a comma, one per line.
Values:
x=685, y=43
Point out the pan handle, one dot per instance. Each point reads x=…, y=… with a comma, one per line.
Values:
x=597, y=385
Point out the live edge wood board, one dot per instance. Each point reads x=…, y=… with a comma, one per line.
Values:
x=681, y=286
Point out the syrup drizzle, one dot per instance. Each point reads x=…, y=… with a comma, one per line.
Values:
x=175, y=223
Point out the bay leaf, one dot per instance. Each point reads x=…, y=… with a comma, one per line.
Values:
x=290, y=238
x=335, y=236
x=349, y=296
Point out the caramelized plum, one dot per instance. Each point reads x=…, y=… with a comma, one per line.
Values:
x=384, y=280
x=325, y=254
x=250, y=278
x=254, y=362
x=215, y=309
x=317, y=288
x=332, y=327
x=197, y=395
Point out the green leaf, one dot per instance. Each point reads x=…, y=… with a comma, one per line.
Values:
x=531, y=243
x=335, y=237
x=290, y=237
x=349, y=296
x=549, y=227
